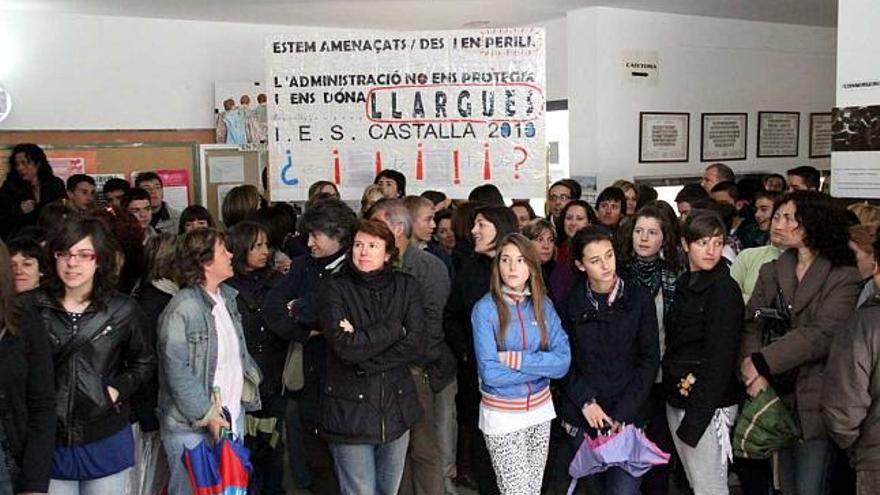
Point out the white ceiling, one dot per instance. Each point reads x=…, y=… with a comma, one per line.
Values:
x=427, y=14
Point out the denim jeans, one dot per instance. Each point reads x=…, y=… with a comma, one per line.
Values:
x=805, y=468
x=614, y=481
x=108, y=485
x=296, y=452
x=365, y=469
x=6, y=483
x=175, y=442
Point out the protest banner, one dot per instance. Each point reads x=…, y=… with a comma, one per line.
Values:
x=449, y=109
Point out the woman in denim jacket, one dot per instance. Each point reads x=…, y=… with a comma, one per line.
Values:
x=519, y=346
x=200, y=335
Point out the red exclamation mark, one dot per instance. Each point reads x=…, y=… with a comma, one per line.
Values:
x=337, y=168
x=487, y=165
x=378, y=162
x=456, y=170
x=420, y=164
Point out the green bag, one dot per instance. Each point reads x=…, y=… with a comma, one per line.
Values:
x=764, y=427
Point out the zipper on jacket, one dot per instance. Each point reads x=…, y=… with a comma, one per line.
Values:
x=70, y=394
x=522, y=329
x=102, y=333
x=382, y=402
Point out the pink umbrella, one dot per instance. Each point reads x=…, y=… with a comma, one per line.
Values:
x=628, y=449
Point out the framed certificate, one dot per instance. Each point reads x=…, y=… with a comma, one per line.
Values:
x=664, y=137
x=778, y=134
x=724, y=136
x=820, y=135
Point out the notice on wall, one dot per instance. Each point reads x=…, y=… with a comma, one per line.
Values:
x=663, y=137
x=641, y=67
x=100, y=180
x=724, y=136
x=449, y=109
x=778, y=134
x=226, y=168
x=63, y=167
x=820, y=135
x=222, y=191
x=855, y=159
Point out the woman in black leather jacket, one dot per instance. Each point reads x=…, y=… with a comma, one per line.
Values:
x=101, y=357
x=27, y=395
x=372, y=319
x=254, y=278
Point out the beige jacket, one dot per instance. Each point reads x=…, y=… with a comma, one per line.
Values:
x=820, y=305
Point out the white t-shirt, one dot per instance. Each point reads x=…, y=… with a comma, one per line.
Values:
x=495, y=422
x=229, y=375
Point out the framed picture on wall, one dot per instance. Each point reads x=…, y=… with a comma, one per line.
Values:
x=820, y=135
x=724, y=136
x=664, y=137
x=778, y=134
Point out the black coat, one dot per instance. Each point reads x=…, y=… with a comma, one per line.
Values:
x=300, y=286
x=703, y=335
x=27, y=404
x=14, y=192
x=268, y=349
x=470, y=284
x=117, y=354
x=615, y=354
x=369, y=396
x=146, y=399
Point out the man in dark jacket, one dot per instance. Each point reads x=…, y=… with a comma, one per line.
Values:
x=434, y=374
x=291, y=311
x=852, y=389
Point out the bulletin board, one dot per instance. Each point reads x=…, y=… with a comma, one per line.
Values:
x=224, y=166
x=177, y=159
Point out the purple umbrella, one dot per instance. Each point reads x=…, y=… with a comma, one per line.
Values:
x=628, y=449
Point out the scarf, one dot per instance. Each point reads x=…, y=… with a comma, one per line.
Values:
x=516, y=295
x=648, y=273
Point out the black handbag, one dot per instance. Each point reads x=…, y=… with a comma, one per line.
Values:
x=774, y=322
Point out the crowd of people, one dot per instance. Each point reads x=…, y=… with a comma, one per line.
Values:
x=421, y=345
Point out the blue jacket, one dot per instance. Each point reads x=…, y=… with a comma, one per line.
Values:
x=187, y=347
x=521, y=380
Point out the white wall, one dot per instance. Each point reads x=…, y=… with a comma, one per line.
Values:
x=69, y=71
x=857, y=55
x=706, y=65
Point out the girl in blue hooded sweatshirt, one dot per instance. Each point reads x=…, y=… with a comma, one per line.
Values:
x=519, y=346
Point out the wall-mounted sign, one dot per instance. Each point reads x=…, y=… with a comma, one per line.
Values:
x=641, y=66
x=5, y=103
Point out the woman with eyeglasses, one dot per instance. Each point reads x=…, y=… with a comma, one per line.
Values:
x=101, y=357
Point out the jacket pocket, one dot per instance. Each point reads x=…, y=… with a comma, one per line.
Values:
x=90, y=396
x=346, y=411
x=407, y=401
x=197, y=342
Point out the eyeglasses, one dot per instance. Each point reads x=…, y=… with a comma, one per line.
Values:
x=78, y=256
x=559, y=197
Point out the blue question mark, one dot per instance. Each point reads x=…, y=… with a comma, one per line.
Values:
x=287, y=168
